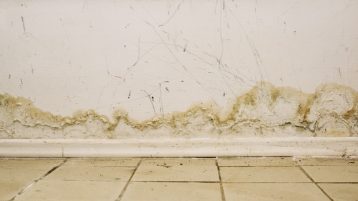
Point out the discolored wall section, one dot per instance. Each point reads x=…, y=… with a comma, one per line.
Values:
x=135, y=68
x=264, y=111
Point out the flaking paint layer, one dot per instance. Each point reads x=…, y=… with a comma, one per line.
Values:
x=265, y=110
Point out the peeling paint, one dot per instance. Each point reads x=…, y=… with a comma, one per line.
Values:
x=265, y=110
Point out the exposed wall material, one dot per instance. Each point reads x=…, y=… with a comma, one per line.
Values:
x=265, y=110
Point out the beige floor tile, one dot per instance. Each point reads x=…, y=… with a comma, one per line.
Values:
x=256, y=161
x=31, y=163
x=326, y=161
x=13, y=179
x=164, y=191
x=103, y=162
x=177, y=170
x=273, y=192
x=46, y=190
x=262, y=174
x=9, y=189
x=20, y=174
x=91, y=173
x=333, y=173
x=341, y=192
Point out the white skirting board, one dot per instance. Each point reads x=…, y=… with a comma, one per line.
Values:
x=181, y=147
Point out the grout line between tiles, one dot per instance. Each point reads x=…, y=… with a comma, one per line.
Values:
x=128, y=182
x=221, y=184
x=266, y=182
x=247, y=166
x=168, y=181
x=342, y=165
x=224, y=182
x=318, y=186
x=337, y=182
x=38, y=179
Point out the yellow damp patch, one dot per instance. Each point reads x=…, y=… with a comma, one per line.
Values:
x=264, y=107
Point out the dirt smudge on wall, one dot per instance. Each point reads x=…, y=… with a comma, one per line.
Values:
x=265, y=110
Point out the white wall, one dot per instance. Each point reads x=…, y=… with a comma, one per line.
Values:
x=102, y=55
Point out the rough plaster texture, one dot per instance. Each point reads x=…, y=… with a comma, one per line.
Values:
x=154, y=68
x=263, y=111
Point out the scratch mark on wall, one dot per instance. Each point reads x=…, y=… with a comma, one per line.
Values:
x=23, y=24
x=167, y=47
x=129, y=69
x=138, y=53
x=340, y=72
x=123, y=79
x=177, y=8
x=129, y=94
x=161, y=100
x=175, y=57
x=21, y=83
x=192, y=53
x=252, y=46
x=151, y=100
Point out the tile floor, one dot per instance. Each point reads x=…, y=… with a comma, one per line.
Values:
x=179, y=179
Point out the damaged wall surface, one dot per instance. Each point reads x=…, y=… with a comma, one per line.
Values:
x=125, y=68
x=264, y=111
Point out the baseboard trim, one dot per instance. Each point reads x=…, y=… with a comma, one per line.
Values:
x=181, y=147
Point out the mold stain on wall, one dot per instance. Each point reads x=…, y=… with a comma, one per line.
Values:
x=265, y=110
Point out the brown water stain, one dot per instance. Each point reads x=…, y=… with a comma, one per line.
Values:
x=264, y=110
